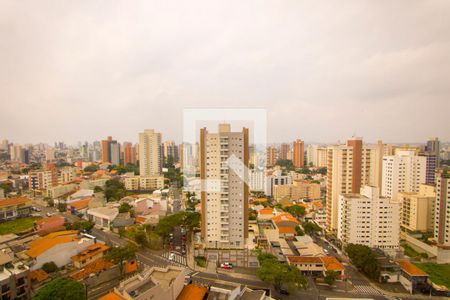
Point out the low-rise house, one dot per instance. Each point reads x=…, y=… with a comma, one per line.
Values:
x=80, y=194
x=14, y=277
x=286, y=220
x=57, y=247
x=79, y=207
x=286, y=232
x=316, y=265
x=87, y=256
x=156, y=284
x=50, y=224
x=14, y=208
x=265, y=214
x=412, y=278
x=103, y=217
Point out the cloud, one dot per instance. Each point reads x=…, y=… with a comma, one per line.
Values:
x=83, y=70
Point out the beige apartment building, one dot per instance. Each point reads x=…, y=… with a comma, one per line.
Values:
x=150, y=163
x=417, y=209
x=224, y=195
x=144, y=183
x=348, y=168
x=298, y=190
x=442, y=209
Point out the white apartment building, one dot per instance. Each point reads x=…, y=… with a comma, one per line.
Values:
x=316, y=156
x=442, y=209
x=402, y=172
x=348, y=168
x=150, y=163
x=368, y=219
x=224, y=196
x=257, y=180
x=417, y=208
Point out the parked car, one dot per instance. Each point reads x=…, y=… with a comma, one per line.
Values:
x=171, y=256
x=226, y=265
x=49, y=214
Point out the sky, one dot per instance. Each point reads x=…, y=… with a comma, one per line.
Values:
x=324, y=70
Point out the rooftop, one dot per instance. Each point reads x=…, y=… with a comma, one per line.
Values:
x=39, y=246
x=409, y=268
x=192, y=292
x=90, y=251
x=14, y=201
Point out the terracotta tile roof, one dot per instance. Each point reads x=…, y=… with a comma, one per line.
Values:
x=14, y=201
x=410, y=268
x=81, y=204
x=266, y=211
x=39, y=246
x=286, y=229
x=284, y=217
x=90, y=251
x=304, y=259
x=49, y=220
x=94, y=267
x=140, y=220
x=130, y=266
x=317, y=204
x=111, y=296
x=331, y=263
x=38, y=275
x=192, y=292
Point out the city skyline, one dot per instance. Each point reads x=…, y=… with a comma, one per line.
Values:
x=324, y=71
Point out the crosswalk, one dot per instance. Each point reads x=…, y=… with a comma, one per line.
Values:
x=364, y=289
x=177, y=258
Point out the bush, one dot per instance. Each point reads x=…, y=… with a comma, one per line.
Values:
x=50, y=267
x=200, y=261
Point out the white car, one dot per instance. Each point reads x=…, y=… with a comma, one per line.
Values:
x=49, y=214
x=171, y=256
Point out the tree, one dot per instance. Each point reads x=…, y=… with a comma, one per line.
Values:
x=304, y=170
x=97, y=189
x=330, y=277
x=6, y=186
x=141, y=238
x=252, y=215
x=61, y=289
x=296, y=210
x=299, y=231
x=50, y=267
x=62, y=207
x=81, y=226
x=311, y=228
x=124, y=207
x=114, y=190
x=273, y=272
x=285, y=163
x=363, y=258
x=91, y=168
x=120, y=254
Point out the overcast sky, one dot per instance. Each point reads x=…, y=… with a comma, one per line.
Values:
x=324, y=70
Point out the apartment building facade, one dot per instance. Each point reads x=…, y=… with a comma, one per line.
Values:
x=224, y=194
x=402, y=172
x=368, y=219
x=150, y=162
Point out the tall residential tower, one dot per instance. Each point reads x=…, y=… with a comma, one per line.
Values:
x=224, y=195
